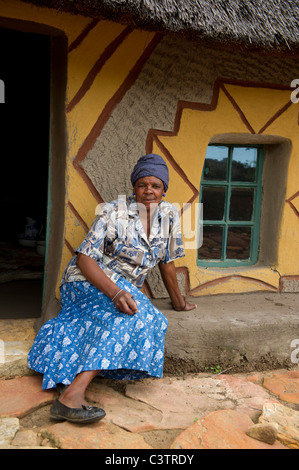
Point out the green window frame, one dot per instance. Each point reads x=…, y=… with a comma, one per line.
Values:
x=231, y=197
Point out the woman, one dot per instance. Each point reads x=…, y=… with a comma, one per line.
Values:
x=107, y=326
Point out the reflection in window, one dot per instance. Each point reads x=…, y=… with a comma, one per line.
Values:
x=215, y=166
x=241, y=204
x=231, y=193
x=243, y=164
x=213, y=199
x=212, y=242
x=238, y=242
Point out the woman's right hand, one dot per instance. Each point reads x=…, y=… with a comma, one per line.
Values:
x=124, y=301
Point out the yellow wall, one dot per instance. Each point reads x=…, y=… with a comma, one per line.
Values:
x=258, y=105
x=184, y=145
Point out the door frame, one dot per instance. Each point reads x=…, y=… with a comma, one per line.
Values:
x=57, y=159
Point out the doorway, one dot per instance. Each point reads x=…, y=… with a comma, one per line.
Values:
x=24, y=151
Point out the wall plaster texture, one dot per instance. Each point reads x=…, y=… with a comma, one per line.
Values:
x=176, y=70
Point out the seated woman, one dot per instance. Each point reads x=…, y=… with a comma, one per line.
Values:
x=107, y=326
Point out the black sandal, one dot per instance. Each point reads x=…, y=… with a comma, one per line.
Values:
x=84, y=415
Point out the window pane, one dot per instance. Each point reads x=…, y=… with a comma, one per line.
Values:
x=244, y=164
x=213, y=200
x=241, y=204
x=238, y=243
x=215, y=166
x=212, y=242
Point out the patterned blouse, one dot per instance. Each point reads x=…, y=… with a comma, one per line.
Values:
x=118, y=243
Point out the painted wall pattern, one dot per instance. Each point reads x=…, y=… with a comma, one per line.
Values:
x=132, y=91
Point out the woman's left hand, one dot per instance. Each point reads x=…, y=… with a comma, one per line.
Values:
x=179, y=303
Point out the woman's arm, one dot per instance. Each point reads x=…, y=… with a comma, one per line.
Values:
x=170, y=280
x=96, y=276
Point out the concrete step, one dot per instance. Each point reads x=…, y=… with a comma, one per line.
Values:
x=244, y=332
x=240, y=332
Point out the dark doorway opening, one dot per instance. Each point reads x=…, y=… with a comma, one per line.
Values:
x=24, y=151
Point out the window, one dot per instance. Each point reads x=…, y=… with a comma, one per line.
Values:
x=231, y=194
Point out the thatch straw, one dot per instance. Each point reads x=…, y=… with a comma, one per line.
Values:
x=261, y=23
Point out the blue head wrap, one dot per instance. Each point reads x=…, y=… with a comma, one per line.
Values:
x=151, y=165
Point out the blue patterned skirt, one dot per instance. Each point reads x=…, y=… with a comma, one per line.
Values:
x=89, y=333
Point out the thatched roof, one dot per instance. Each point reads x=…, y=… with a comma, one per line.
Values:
x=270, y=24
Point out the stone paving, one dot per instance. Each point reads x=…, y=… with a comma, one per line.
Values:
x=185, y=411
x=194, y=411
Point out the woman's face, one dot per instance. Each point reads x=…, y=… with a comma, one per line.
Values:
x=148, y=190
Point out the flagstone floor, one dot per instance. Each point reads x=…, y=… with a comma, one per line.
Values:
x=197, y=411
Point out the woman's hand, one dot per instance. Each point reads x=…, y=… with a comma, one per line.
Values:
x=125, y=302
x=179, y=303
x=122, y=299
